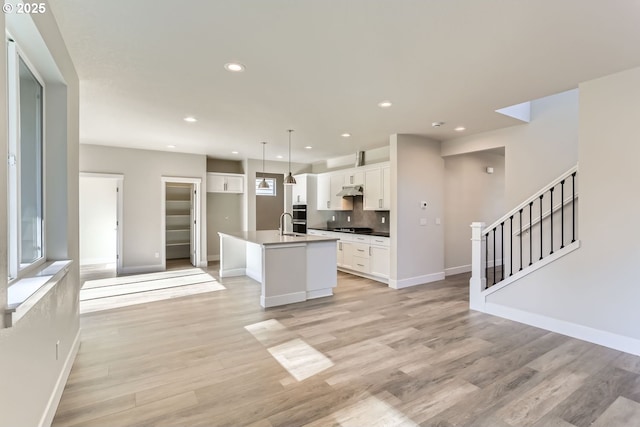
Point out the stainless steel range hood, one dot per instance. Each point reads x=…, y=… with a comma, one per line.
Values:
x=350, y=191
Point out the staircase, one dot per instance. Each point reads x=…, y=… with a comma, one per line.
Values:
x=538, y=231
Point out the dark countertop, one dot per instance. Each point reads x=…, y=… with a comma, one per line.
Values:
x=373, y=233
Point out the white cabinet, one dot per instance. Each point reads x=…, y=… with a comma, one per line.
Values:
x=352, y=177
x=377, y=189
x=380, y=261
x=329, y=185
x=225, y=183
x=346, y=254
x=299, y=190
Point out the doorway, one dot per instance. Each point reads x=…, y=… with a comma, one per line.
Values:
x=180, y=222
x=100, y=223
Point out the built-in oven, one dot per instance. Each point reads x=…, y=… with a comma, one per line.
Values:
x=299, y=219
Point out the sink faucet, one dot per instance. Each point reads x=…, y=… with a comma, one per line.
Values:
x=282, y=221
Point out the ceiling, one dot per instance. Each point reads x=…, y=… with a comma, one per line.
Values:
x=322, y=66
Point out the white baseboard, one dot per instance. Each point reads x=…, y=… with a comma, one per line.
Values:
x=282, y=299
x=56, y=395
x=457, y=270
x=232, y=272
x=585, y=333
x=414, y=281
x=213, y=258
x=368, y=276
x=320, y=293
x=255, y=275
x=93, y=261
x=141, y=269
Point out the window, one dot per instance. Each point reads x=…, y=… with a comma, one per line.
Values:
x=26, y=166
x=271, y=191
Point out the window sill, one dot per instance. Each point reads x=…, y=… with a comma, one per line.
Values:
x=25, y=293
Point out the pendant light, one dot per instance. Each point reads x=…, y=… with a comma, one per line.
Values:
x=264, y=183
x=289, y=180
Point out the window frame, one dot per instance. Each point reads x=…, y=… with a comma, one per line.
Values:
x=261, y=192
x=15, y=269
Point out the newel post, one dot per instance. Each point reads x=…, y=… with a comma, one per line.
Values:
x=478, y=281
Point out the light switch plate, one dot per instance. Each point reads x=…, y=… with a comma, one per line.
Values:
x=423, y=221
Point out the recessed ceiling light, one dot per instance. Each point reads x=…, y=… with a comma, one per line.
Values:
x=384, y=104
x=346, y=135
x=234, y=67
x=278, y=156
x=308, y=147
x=460, y=128
x=234, y=152
x=190, y=119
x=171, y=146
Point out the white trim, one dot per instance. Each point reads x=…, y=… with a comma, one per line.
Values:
x=320, y=293
x=534, y=197
x=255, y=275
x=56, y=395
x=457, y=270
x=533, y=267
x=92, y=261
x=291, y=298
x=197, y=208
x=139, y=269
x=417, y=280
x=381, y=279
x=233, y=272
x=585, y=333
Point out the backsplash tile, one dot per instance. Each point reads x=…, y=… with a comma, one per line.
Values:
x=359, y=217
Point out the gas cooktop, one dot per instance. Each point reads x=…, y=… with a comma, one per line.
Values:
x=354, y=230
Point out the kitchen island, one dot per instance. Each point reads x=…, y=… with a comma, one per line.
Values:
x=290, y=268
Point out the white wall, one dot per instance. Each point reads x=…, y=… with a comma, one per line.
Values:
x=537, y=152
x=417, y=174
x=470, y=194
x=597, y=286
x=98, y=217
x=30, y=375
x=142, y=197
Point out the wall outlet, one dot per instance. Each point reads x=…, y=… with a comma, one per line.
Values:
x=333, y=217
x=423, y=221
x=383, y=220
x=157, y=255
x=57, y=349
x=348, y=218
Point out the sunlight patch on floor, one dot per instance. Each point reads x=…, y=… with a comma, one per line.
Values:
x=370, y=412
x=300, y=359
x=105, y=294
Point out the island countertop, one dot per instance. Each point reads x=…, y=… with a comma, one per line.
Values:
x=273, y=237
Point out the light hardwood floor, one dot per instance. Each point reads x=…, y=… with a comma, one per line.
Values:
x=368, y=356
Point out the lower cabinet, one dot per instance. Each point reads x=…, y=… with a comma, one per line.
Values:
x=380, y=261
x=364, y=255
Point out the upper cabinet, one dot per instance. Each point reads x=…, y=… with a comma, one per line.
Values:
x=377, y=188
x=329, y=185
x=299, y=191
x=353, y=177
x=225, y=183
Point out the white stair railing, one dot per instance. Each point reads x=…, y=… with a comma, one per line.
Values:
x=518, y=242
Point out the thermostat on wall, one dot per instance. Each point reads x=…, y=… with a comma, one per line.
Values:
x=423, y=204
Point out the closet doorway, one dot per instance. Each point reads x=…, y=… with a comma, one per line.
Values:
x=100, y=222
x=180, y=221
